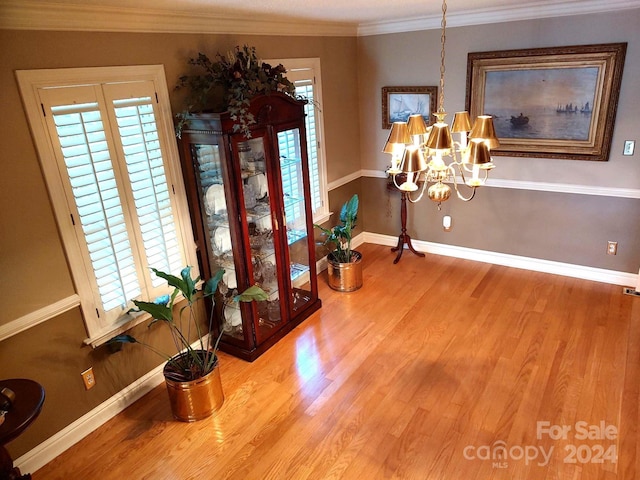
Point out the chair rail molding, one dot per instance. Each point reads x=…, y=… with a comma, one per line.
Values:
x=41, y=315
x=537, y=186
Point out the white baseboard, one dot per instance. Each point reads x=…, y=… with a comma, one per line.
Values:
x=515, y=261
x=61, y=441
x=72, y=434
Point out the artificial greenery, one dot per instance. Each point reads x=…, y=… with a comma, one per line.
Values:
x=192, y=363
x=242, y=76
x=340, y=236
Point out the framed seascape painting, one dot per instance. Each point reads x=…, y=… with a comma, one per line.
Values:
x=400, y=102
x=555, y=102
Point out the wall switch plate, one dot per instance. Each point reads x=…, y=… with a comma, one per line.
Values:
x=629, y=147
x=88, y=378
x=612, y=248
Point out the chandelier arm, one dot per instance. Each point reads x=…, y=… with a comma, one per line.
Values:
x=424, y=184
x=461, y=170
x=395, y=182
x=462, y=197
x=455, y=184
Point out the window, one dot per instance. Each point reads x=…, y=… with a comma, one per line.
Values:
x=105, y=140
x=292, y=186
x=305, y=74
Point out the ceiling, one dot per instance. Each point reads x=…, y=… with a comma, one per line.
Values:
x=315, y=17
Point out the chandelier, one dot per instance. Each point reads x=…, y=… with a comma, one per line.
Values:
x=419, y=154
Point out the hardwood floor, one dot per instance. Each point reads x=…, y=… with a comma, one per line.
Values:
x=424, y=373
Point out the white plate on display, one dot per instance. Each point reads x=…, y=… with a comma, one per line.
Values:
x=214, y=199
x=222, y=239
x=259, y=184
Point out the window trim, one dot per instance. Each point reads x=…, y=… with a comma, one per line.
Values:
x=297, y=69
x=29, y=82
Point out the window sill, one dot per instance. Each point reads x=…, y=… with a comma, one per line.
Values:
x=322, y=218
x=126, y=322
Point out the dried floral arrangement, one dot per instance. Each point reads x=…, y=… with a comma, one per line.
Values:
x=241, y=76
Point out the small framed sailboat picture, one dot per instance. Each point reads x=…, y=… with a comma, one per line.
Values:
x=400, y=102
x=557, y=102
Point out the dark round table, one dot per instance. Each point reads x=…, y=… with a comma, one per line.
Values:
x=29, y=398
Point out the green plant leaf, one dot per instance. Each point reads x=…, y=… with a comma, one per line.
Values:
x=159, y=312
x=174, y=281
x=211, y=285
x=341, y=235
x=190, y=283
x=252, y=293
x=122, y=339
x=349, y=211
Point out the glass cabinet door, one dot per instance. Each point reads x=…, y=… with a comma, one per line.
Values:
x=262, y=226
x=293, y=192
x=215, y=218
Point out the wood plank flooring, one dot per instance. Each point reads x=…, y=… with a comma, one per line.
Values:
x=438, y=368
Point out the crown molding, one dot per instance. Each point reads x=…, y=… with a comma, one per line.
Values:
x=29, y=15
x=511, y=13
x=42, y=15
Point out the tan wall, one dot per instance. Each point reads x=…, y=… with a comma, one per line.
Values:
x=555, y=226
x=32, y=262
x=561, y=227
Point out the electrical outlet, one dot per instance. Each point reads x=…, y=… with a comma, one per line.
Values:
x=88, y=378
x=446, y=223
x=612, y=248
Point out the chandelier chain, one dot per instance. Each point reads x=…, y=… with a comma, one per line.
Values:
x=443, y=37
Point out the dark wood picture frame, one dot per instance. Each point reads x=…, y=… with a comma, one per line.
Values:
x=557, y=102
x=400, y=102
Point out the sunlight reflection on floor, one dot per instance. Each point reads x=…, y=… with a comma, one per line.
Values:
x=308, y=361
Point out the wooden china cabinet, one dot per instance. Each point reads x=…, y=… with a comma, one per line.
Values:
x=250, y=207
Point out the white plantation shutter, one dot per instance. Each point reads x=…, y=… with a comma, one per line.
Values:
x=305, y=88
x=305, y=75
x=143, y=157
x=111, y=165
x=85, y=151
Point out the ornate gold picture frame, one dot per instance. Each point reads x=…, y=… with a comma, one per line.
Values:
x=555, y=102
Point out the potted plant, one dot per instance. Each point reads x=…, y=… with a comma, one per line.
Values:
x=241, y=75
x=344, y=264
x=192, y=375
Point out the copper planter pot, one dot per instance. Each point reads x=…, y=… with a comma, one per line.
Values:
x=197, y=399
x=345, y=277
